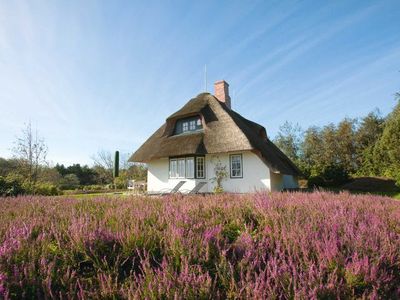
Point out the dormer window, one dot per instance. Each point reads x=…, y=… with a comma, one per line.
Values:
x=188, y=125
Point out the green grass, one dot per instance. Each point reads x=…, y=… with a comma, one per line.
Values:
x=92, y=195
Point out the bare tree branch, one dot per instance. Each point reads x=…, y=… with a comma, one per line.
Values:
x=31, y=151
x=103, y=159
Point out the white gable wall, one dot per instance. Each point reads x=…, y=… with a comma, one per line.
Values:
x=256, y=176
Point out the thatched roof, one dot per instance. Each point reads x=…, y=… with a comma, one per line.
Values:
x=223, y=131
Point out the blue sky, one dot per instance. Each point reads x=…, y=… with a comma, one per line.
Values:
x=104, y=75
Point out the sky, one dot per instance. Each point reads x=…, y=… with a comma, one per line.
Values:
x=104, y=75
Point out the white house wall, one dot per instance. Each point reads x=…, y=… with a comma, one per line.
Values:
x=256, y=176
x=255, y=173
x=157, y=175
x=277, y=182
x=158, y=178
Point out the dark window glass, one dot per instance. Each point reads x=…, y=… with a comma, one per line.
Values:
x=188, y=124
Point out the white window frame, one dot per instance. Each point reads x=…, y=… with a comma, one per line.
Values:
x=192, y=125
x=185, y=124
x=231, y=157
x=203, y=159
x=188, y=159
x=173, y=172
x=181, y=163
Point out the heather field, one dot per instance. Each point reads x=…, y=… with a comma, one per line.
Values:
x=274, y=246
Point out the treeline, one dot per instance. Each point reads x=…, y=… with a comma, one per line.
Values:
x=331, y=155
x=28, y=172
x=59, y=179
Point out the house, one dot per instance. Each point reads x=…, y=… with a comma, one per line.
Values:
x=206, y=135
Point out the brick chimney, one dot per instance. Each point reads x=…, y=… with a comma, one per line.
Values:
x=221, y=92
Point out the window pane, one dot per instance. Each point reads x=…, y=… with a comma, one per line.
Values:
x=192, y=125
x=198, y=122
x=200, y=167
x=185, y=126
x=236, y=165
x=172, y=168
x=181, y=167
x=189, y=167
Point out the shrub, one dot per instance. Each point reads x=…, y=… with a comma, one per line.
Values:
x=10, y=186
x=329, y=177
x=46, y=189
x=275, y=245
x=69, y=181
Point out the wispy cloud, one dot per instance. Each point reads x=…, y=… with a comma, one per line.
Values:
x=98, y=75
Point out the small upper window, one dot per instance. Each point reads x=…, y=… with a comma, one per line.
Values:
x=192, y=125
x=188, y=124
x=185, y=126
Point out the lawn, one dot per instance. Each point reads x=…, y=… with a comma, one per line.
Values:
x=279, y=245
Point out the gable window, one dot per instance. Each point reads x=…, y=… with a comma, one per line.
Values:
x=188, y=125
x=192, y=125
x=187, y=167
x=200, y=167
x=236, y=166
x=185, y=126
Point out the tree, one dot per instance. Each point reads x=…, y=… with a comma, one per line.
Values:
x=345, y=145
x=103, y=165
x=322, y=162
x=387, y=149
x=104, y=159
x=367, y=135
x=50, y=175
x=312, y=152
x=8, y=166
x=69, y=181
x=289, y=140
x=31, y=151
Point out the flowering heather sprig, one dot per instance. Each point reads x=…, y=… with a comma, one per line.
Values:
x=260, y=246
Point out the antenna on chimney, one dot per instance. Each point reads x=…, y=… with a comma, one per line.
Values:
x=205, y=78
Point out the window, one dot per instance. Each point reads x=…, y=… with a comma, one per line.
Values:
x=185, y=126
x=200, y=167
x=236, y=166
x=190, y=167
x=192, y=125
x=187, y=167
x=188, y=125
x=173, y=168
x=181, y=168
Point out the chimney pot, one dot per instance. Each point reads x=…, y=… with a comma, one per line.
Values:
x=221, y=92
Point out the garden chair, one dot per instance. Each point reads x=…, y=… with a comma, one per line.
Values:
x=174, y=190
x=196, y=189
